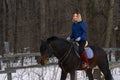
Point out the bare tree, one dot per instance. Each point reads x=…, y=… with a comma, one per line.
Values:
x=43, y=20
x=110, y=24
x=25, y=22
x=6, y=20
x=1, y=27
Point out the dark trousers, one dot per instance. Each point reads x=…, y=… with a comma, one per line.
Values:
x=81, y=46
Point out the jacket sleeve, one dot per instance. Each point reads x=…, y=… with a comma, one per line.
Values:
x=84, y=29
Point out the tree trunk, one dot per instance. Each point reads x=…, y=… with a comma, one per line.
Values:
x=84, y=6
x=1, y=28
x=6, y=20
x=15, y=27
x=43, y=19
x=110, y=24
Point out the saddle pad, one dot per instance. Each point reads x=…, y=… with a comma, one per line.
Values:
x=89, y=52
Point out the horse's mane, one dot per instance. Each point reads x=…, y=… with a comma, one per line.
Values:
x=53, y=38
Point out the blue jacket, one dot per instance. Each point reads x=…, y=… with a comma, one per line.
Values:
x=79, y=30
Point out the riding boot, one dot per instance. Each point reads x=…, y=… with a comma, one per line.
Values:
x=84, y=58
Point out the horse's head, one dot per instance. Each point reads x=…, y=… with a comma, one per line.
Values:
x=46, y=52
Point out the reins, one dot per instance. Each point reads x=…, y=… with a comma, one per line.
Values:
x=66, y=54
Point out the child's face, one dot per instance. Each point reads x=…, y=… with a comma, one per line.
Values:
x=75, y=17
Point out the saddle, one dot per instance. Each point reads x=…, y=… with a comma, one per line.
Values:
x=88, y=50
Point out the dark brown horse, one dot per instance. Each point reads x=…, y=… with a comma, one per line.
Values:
x=69, y=61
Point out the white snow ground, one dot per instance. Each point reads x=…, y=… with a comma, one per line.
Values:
x=46, y=73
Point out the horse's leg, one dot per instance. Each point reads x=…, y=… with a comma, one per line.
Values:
x=89, y=74
x=106, y=71
x=72, y=75
x=104, y=67
x=63, y=75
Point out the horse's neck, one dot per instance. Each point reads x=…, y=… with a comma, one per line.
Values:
x=60, y=49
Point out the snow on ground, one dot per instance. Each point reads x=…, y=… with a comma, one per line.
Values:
x=46, y=73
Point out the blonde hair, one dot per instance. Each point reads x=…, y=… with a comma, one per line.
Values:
x=79, y=17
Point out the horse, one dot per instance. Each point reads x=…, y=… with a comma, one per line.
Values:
x=69, y=62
